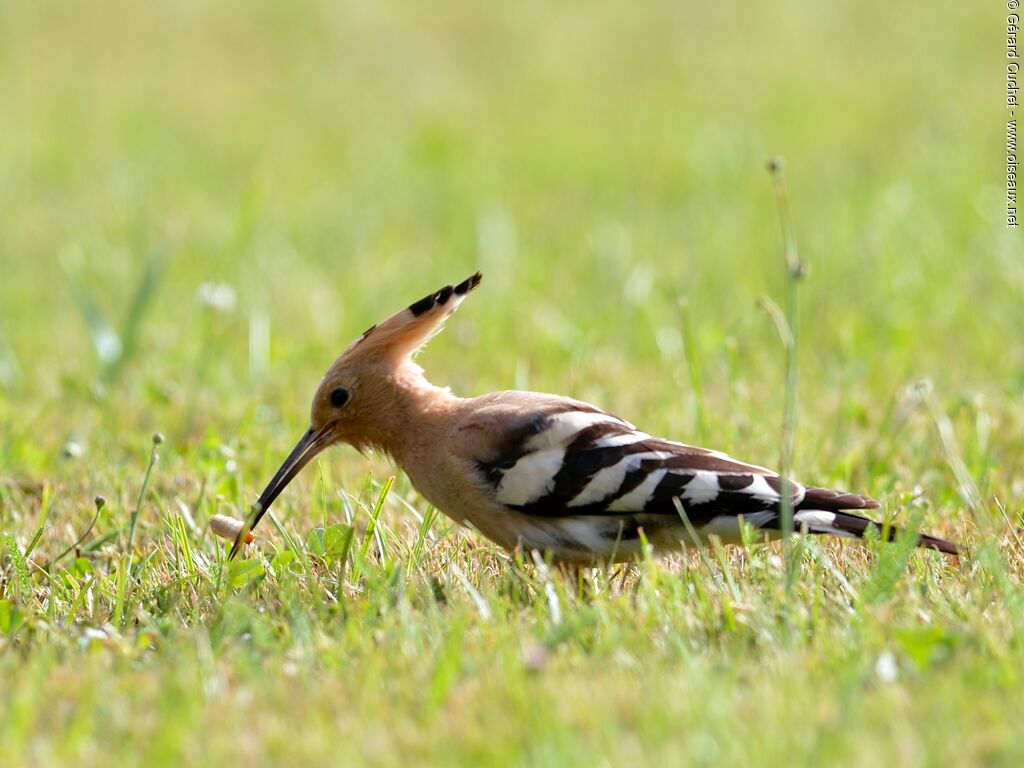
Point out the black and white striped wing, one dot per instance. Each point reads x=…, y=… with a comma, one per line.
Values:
x=586, y=462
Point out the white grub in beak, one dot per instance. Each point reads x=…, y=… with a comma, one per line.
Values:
x=229, y=528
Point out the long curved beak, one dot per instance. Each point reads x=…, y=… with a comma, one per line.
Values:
x=309, y=445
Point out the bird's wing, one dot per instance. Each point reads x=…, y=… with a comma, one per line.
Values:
x=555, y=457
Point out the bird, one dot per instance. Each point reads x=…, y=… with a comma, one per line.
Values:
x=542, y=473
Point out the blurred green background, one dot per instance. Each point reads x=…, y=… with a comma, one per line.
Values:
x=332, y=161
x=202, y=203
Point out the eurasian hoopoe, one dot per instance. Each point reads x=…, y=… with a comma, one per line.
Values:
x=543, y=472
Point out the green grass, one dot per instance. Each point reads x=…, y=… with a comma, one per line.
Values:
x=604, y=165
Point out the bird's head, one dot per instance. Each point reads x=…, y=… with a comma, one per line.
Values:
x=361, y=385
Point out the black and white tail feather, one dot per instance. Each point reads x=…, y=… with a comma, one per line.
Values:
x=588, y=482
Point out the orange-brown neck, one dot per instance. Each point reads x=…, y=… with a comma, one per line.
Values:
x=409, y=414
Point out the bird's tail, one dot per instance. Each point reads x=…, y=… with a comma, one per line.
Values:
x=845, y=524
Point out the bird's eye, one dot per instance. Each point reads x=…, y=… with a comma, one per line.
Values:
x=339, y=397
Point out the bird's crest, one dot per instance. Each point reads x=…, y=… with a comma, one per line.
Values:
x=405, y=332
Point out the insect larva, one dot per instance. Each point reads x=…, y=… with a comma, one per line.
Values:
x=228, y=528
